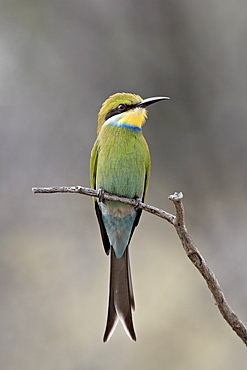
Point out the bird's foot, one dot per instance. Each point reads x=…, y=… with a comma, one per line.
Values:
x=138, y=204
x=101, y=194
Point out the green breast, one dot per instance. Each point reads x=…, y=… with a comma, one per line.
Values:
x=122, y=161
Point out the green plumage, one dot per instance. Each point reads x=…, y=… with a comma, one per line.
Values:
x=120, y=162
x=120, y=165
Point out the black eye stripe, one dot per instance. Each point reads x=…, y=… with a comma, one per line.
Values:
x=116, y=111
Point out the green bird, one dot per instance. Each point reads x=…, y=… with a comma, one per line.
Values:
x=120, y=165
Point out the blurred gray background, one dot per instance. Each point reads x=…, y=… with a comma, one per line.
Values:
x=59, y=60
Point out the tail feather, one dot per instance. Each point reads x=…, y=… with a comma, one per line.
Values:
x=131, y=292
x=121, y=298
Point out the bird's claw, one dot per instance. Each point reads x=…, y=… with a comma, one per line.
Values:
x=138, y=204
x=100, y=194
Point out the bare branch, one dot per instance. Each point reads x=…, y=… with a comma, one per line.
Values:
x=199, y=262
x=94, y=193
x=188, y=244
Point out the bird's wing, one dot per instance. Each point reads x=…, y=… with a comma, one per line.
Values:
x=93, y=164
x=146, y=182
x=147, y=177
x=93, y=173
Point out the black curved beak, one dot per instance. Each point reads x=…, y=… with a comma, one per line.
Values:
x=146, y=102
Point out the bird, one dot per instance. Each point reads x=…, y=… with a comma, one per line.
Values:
x=120, y=165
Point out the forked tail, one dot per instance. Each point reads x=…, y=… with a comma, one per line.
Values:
x=121, y=298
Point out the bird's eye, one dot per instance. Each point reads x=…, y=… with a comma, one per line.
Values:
x=121, y=107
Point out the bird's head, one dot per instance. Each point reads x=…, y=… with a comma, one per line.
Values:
x=125, y=108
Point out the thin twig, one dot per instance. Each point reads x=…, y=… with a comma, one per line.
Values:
x=191, y=250
x=94, y=193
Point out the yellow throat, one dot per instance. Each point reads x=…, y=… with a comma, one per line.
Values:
x=134, y=118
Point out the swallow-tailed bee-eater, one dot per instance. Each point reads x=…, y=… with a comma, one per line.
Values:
x=120, y=165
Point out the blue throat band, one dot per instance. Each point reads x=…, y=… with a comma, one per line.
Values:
x=126, y=125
